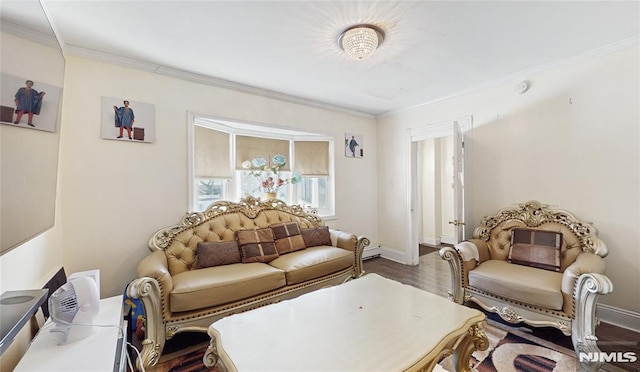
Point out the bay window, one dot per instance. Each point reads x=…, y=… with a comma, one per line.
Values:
x=219, y=148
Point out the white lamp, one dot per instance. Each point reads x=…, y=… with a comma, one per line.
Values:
x=360, y=41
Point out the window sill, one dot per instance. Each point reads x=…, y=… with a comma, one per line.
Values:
x=329, y=218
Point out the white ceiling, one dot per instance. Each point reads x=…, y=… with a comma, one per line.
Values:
x=287, y=49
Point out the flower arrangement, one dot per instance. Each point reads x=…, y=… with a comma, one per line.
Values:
x=267, y=176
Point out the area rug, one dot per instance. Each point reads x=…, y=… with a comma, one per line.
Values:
x=510, y=349
x=515, y=349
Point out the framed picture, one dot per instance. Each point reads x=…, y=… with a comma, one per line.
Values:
x=124, y=120
x=28, y=104
x=353, y=147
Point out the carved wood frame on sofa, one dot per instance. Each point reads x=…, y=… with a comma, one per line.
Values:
x=580, y=276
x=173, y=253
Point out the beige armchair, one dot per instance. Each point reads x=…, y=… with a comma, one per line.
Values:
x=563, y=296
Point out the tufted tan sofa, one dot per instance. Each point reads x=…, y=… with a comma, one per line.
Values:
x=566, y=299
x=177, y=297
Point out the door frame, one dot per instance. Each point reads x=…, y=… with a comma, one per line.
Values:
x=414, y=199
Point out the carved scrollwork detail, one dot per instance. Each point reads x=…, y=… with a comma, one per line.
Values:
x=563, y=326
x=510, y=315
x=534, y=214
x=480, y=339
x=210, y=358
x=171, y=331
x=475, y=339
x=249, y=206
x=150, y=354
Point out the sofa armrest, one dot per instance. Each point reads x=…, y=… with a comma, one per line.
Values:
x=344, y=240
x=474, y=248
x=153, y=270
x=152, y=286
x=353, y=243
x=452, y=256
x=585, y=263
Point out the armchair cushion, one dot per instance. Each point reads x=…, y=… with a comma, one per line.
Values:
x=536, y=248
x=257, y=245
x=501, y=278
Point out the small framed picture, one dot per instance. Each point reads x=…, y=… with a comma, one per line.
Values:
x=125, y=120
x=353, y=147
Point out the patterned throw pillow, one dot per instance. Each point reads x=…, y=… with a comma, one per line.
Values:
x=536, y=248
x=316, y=236
x=211, y=254
x=287, y=237
x=257, y=245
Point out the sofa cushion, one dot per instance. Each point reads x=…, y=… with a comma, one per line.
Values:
x=525, y=284
x=314, y=237
x=312, y=263
x=212, y=286
x=211, y=254
x=287, y=237
x=257, y=245
x=536, y=248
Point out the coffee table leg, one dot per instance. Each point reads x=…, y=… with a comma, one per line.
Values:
x=214, y=358
x=475, y=339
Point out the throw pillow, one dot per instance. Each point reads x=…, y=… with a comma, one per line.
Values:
x=211, y=254
x=316, y=236
x=536, y=248
x=257, y=245
x=287, y=237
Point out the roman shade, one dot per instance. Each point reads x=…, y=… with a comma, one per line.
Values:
x=312, y=157
x=249, y=148
x=211, y=153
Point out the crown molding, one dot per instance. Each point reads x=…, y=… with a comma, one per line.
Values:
x=519, y=76
x=77, y=51
x=31, y=35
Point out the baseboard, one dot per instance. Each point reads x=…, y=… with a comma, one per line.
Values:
x=431, y=241
x=447, y=240
x=619, y=317
x=394, y=255
x=370, y=252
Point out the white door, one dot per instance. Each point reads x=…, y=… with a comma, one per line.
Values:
x=460, y=130
x=458, y=183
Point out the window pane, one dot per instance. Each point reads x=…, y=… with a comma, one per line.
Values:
x=323, y=196
x=208, y=191
x=251, y=185
x=313, y=191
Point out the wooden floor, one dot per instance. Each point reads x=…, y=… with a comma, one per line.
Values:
x=432, y=275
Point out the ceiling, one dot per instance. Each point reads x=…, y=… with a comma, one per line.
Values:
x=289, y=50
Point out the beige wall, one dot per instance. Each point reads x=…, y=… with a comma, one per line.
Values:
x=572, y=141
x=33, y=263
x=116, y=194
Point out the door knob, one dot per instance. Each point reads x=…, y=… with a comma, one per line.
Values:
x=456, y=223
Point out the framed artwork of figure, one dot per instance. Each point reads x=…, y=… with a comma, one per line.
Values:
x=28, y=103
x=125, y=120
x=353, y=147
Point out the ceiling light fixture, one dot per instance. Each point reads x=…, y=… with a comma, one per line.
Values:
x=360, y=41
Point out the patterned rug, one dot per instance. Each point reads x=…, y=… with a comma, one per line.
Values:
x=515, y=349
x=510, y=349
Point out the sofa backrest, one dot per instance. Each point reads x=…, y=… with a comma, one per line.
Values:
x=577, y=236
x=219, y=222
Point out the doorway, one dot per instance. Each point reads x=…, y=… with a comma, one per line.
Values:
x=438, y=201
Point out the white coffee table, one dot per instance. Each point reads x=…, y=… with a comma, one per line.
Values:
x=367, y=324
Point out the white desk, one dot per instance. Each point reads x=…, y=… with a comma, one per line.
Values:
x=104, y=350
